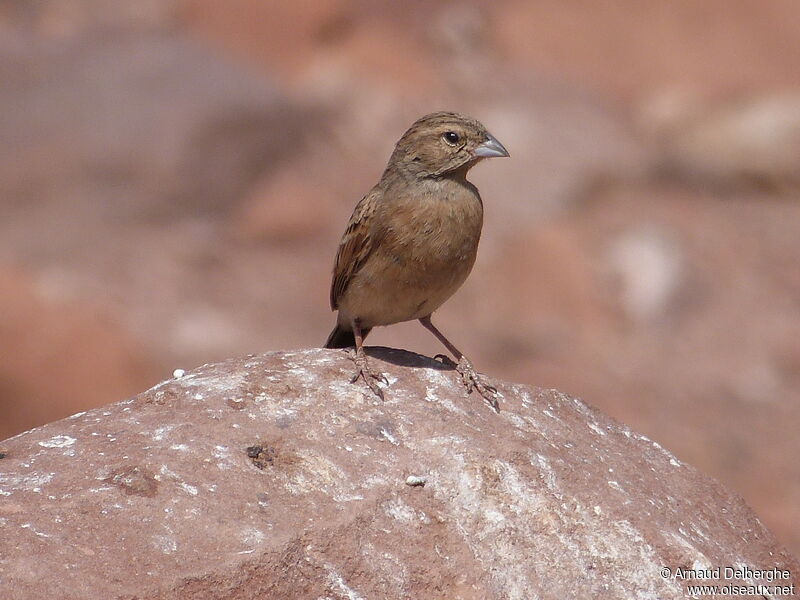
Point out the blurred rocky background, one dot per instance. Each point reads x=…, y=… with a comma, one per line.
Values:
x=175, y=176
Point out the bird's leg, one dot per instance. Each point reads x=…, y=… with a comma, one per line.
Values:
x=469, y=376
x=363, y=370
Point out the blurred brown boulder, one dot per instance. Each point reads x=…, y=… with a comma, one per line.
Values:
x=750, y=142
x=71, y=18
x=146, y=124
x=627, y=48
x=118, y=147
x=647, y=266
x=290, y=205
x=58, y=358
x=284, y=36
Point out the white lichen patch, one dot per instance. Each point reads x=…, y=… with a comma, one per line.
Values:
x=30, y=527
x=159, y=433
x=389, y=437
x=347, y=497
x=338, y=583
x=29, y=483
x=398, y=510
x=439, y=381
x=375, y=480
x=514, y=486
x=546, y=471
x=494, y=516
x=446, y=443
x=701, y=529
x=583, y=408
x=615, y=485
x=59, y=441
x=222, y=456
x=252, y=536
x=322, y=359
x=430, y=395
x=213, y=385
x=189, y=489
x=623, y=544
x=346, y=391
x=317, y=473
x=452, y=407
x=166, y=472
x=302, y=373
x=520, y=424
x=523, y=395
x=435, y=377
x=484, y=502
x=165, y=544
x=687, y=549
x=388, y=567
x=596, y=428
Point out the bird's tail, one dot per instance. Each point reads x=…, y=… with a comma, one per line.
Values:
x=343, y=338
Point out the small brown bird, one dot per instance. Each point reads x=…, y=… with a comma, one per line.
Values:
x=412, y=240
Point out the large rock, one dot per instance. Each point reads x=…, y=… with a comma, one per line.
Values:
x=273, y=477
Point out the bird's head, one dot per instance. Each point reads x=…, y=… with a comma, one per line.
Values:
x=442, y=143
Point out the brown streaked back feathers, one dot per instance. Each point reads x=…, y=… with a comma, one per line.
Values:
x=355, y=247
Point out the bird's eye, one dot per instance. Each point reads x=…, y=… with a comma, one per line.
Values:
x=451, y=137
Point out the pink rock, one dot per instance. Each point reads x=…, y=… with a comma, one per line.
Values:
x=273, y=477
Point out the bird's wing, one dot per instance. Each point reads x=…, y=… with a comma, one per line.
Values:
x=356, y=246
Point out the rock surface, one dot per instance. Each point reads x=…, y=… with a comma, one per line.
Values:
x=272, y=477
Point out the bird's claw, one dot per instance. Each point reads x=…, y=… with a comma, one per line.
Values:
x=370, y=377
x=445, y=360
x=473, y=381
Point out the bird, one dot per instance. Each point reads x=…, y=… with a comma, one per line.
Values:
x=412, y=241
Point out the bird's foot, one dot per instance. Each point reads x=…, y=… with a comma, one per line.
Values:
x=445, y=360
x=370, y=377
x=473, y=381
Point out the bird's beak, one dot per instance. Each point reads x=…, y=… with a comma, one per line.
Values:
x=491, y=148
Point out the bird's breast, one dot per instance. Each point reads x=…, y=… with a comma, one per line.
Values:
x=437, y=230
x=425, y=247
